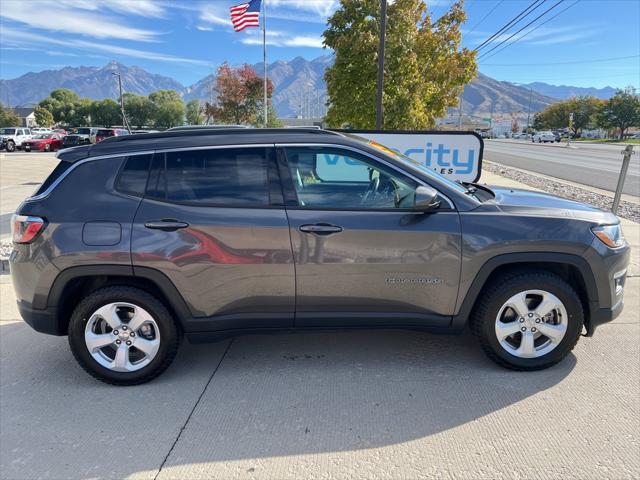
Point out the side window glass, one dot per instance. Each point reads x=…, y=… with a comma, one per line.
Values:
x=342, y=179
x=133, y=177
x=221, y=177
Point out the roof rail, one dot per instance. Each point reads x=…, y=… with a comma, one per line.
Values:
x=217, y=131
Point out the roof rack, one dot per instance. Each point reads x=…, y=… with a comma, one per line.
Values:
x=217, y=131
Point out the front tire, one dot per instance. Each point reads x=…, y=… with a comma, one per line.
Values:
x=528, y=321
x=123, y=335
x=11, y=146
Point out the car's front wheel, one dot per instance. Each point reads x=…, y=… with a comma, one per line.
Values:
x=528, y=321
x=123, y=335
x=11, y=146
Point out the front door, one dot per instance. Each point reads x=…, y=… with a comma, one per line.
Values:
x=213, y=222
x=363, y=255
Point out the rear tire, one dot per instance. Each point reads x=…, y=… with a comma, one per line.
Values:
x=499, y=312
x=132, y=335
x=11, y=146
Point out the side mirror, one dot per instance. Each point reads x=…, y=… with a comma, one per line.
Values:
x=426, y=199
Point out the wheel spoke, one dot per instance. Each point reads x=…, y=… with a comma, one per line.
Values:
x=527, y=348
x=548, y=304
x=121, y=361
x=140, y=317
x=555, y=333
x=503, y=330
x=110, y=315
x=519, y=304
x=97, y=341
x=148, y=347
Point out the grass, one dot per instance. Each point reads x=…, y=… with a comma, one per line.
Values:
x=634, y=141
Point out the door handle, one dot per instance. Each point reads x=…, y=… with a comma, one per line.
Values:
x=320, y=228
x=166, y=225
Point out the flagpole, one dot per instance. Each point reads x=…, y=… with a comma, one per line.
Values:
x=264, y=56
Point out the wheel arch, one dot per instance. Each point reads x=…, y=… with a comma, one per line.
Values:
x=73, y=284
x=571, y=268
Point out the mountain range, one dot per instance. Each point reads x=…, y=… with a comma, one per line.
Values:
x=299, y=88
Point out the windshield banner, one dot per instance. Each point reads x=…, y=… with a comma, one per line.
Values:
x=456, y=155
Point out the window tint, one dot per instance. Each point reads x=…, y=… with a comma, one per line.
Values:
x=53, y=176
x=225, y=177
x=335, y=178
x=133, y=177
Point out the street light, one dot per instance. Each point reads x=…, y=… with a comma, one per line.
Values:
x=124, y=118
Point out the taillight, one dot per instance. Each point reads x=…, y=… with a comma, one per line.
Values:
x=25, y=228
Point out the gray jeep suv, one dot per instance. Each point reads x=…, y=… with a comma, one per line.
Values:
x=138, y=240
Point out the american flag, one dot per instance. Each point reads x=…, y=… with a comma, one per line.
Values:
x=245, y=15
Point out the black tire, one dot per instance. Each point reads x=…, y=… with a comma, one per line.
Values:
x=47, y=147
x=11, y=146
x=499, y=291
x=170, y=335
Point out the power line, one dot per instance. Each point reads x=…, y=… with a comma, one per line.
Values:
x=516, y=19
x=485, y=17
x=527, y=25
x=535, y=28
x=557, y=63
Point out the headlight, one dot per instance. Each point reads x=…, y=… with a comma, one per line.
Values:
x=610, y=235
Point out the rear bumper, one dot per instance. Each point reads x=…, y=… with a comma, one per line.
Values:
x=43, y=321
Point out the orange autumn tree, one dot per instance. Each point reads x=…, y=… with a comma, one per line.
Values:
x=239, y=97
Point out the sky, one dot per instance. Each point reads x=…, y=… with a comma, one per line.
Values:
x=590, y=43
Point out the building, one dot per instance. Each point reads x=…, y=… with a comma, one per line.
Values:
x=27, y=116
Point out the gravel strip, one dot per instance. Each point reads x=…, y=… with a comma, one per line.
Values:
x=628, y=210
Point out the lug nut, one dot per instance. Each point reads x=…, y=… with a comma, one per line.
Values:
x=537, y=320
x=128, y=342
x=521, y=320
x=530, y=315
x=115, y=332
x=523, y=329
x=118, y=342
x=533, y=329
x=124, y=327
x=132, y=334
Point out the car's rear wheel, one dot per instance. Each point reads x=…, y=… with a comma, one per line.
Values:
x=47, y=147
x=528, y=321
x=123, y=335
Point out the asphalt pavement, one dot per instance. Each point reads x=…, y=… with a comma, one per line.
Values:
x=595, y=165
x=352, y=405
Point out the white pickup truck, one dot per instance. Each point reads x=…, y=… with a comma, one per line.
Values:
x=13, y=137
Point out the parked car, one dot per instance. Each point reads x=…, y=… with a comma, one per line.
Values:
x=543, y=137
x=39, y=130
x=46, y=142
x=103, y=133
x=521, y=136
x=13, y=137
x=211, y=233
x=80, y=136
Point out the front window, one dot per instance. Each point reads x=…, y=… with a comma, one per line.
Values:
x=8, y=131
x=43, y=136
x=327, y=177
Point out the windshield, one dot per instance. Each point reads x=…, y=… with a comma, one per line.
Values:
x=83, y=131
x=8, y=131
x=411, y=162
x=42, y=136
x=105, y=133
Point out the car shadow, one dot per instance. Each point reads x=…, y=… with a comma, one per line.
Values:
x=270, y=395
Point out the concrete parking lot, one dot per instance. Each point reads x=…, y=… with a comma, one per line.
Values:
x=358, y=405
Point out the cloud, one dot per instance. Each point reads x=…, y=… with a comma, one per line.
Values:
x=22, y=38
x=73, y=17
x=279, y=38
x=215, y=14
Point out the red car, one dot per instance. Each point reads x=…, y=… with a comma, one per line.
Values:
x=47, y=142
x=110, y=132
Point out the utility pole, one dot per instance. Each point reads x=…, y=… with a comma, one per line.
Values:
x=124, y=117
x=570, y=128
x=529, y=109
x=383, y=27
x=460, y=112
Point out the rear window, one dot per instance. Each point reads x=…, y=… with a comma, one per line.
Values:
x=225, y=177
x=105, y=133
x=133, y=177
x=83, y=131
x=57, y=173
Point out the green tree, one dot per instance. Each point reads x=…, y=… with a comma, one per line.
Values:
x=167, y=108
x=67, y=107
x=240, y=97
x=8, y=117
x=138, y=110
x=556, y=116
x=621, y=111
x=44, y=118
x=105, y=113
x=194, y=112
x=425, y=67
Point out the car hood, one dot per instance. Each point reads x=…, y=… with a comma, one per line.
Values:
x=527, y=202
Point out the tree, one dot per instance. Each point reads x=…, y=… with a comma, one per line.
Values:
x=67, y=107
x=138, y=110
x=556, y=116
x=167, y=108
x=44, y=118
x=425, y=68
x=8, y=117
x=240, y=96
x=621, y=111
x=194, y=112
x=105, y=113
x=515, y=125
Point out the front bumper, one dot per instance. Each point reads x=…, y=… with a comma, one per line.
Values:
x=603, y=315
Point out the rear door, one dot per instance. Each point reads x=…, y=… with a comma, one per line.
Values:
x=363, y=255
x=214, y=223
